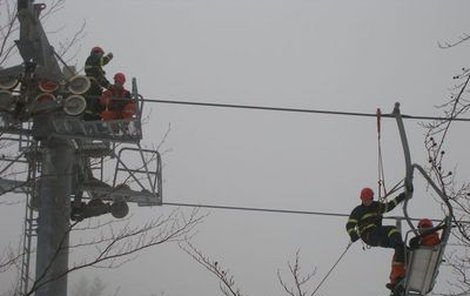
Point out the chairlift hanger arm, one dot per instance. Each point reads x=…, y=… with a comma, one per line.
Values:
x=409, y=178
x=408, y=165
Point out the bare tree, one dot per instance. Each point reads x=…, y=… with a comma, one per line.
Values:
x=299, y=280
x=448, y=44
x=8, y=259
x=227, y=282
x=436, y=140
x=117, y=243
x=296, y=284
x=9, y=27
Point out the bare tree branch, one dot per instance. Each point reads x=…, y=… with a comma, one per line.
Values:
x=121, y=244
x=458, y=194
x=299, y=280
x=227, y=283
x=460, y=39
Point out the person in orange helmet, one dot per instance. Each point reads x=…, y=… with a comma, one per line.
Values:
x=428, y=235
x=365, y=222
x=116, y=100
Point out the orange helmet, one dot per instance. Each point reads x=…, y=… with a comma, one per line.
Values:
x=119, y=78
x=425, y=223
x=97, y=49
x=367, y=194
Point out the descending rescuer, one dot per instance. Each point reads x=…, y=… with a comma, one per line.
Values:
x=365, y=222
x=94, y=71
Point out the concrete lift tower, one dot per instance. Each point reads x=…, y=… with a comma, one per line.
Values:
x=41, y=109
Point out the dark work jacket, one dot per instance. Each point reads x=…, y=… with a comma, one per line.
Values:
x=94, y=68
x=364, y=217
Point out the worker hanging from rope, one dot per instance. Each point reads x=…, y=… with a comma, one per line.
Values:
x=365, y=222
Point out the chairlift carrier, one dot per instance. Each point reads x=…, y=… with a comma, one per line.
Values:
x=422, y=263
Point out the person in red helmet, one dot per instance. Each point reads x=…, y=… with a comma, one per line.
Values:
x=94, y=71
x=116, y=101
x=97, y=49
x=428, y=235
x=365, y=222
x=94, y=65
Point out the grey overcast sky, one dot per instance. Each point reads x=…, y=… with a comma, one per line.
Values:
x=314, y=54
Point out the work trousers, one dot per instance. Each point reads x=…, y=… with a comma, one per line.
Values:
x=93, y=107
x=386, y=237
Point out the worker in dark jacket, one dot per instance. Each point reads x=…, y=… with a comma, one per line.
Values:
x=365, y=222
x=94, y=71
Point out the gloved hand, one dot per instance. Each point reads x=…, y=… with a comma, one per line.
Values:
x=354, y=237
x=110, y=55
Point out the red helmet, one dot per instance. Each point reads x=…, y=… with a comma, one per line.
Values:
x=367, y=194
x=119, y=78
x=425, y=223
x=97, y=49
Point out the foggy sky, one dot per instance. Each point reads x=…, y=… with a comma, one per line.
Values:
x=330, y=55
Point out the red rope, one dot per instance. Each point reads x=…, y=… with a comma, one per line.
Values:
x=382, y=191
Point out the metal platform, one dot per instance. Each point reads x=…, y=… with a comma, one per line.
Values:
x=106, y=192
x=54, y=120
x=94, y=148
x=42, y=111
x=138, y=180
x=127, y=131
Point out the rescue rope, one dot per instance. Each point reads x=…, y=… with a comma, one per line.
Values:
x=395, y=188
x=331, y=269
x=381, y=174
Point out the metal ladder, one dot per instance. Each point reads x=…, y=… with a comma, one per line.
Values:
x=30, y=223
x=25, y=141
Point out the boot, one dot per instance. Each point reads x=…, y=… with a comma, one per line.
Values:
x=397, y=274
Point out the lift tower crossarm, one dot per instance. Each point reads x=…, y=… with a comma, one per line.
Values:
x=33, y=45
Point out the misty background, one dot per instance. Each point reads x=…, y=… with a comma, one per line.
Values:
x=329, y=55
